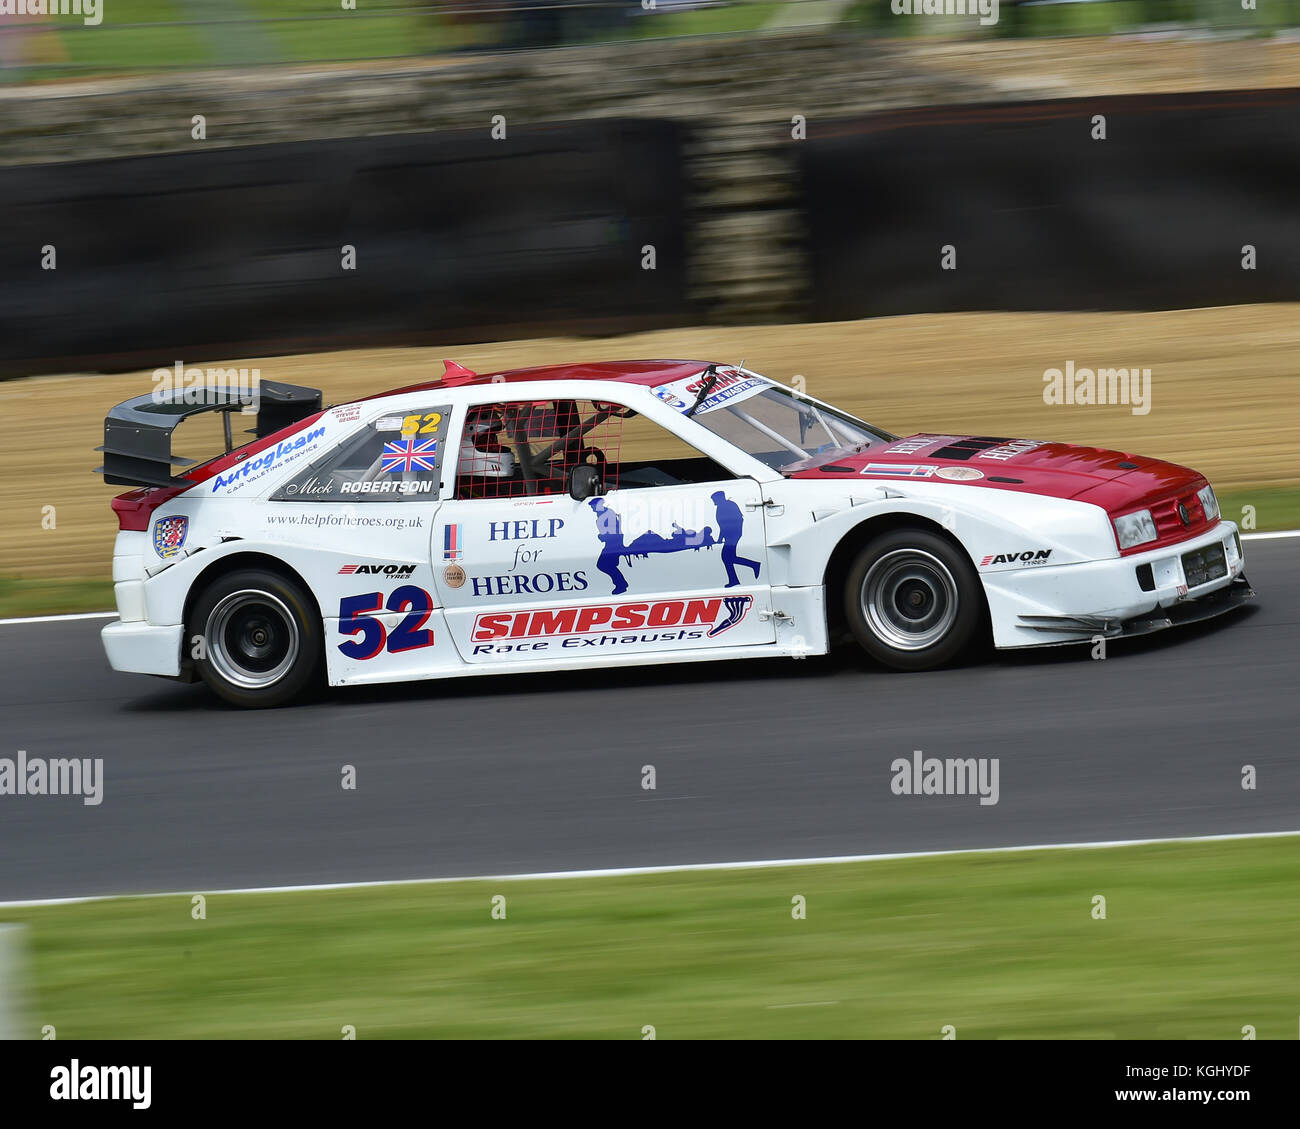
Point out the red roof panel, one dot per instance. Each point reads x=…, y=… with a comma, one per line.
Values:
x=649, y=374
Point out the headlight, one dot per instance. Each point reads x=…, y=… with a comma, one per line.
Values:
x=1135, y=529
x=1209, y=503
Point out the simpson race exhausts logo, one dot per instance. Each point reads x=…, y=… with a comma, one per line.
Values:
x=716, y=615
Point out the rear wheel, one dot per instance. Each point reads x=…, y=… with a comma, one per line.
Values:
x=913, y=600
x=260, y=638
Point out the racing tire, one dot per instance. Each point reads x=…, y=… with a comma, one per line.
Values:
x=913, y=600
x=261, y=639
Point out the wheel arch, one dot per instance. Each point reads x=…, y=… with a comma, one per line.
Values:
x=233, y=562
x=854, y=540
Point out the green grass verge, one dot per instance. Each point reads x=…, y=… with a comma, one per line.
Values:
x=1270, y=507
x=124, y=38
x=20, y=596
x=1198, y=941
x=145, y=35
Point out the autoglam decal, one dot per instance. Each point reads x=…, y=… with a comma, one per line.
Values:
x=287, y=450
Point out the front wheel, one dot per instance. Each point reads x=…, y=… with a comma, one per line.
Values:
x=256, y=638
x=913, y=600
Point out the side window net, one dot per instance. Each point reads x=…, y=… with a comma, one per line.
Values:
x=528, y=449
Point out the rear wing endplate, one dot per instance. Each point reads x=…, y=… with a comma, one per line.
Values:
x=138, y=432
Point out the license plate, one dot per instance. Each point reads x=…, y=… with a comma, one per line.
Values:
x=1204, y=565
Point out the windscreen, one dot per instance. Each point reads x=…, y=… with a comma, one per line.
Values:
x=767, y=421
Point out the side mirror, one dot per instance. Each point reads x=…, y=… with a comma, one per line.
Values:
x=585, y=482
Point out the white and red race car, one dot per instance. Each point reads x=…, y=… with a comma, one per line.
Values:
x=625, y=513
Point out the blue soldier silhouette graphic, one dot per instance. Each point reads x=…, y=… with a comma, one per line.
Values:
x=731, y=523
x=609, y=530
x=614, y=549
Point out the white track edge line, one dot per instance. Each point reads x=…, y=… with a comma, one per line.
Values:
x=1277, y=536
x=679, y=868
x=57, y=618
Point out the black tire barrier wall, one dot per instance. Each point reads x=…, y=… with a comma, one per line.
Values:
x=1044, y=217
x=229, y=252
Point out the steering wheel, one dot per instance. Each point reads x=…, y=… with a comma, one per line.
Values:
x=618, y=411
x=576, y=456
x=601, y=461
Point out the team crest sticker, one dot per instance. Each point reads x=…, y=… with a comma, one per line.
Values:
x=169, y=535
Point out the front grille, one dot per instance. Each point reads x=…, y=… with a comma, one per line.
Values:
x=1168, y=522
x=1204, y=565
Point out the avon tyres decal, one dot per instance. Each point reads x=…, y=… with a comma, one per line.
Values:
x=401, y=571
x=286, y=450
x=357, y=616
x=1026, y=556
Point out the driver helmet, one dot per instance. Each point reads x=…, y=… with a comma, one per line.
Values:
x=482, y=454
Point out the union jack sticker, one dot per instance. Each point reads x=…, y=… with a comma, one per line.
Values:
x=410, y=455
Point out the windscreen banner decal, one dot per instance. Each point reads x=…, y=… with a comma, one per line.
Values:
x=732, y=386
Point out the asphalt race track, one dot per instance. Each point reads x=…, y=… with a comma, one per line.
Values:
x=756, y=760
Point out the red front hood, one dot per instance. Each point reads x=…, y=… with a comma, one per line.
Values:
x=1118, y=482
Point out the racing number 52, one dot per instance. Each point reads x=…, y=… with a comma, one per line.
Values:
x=356, y=617
x=411, y=424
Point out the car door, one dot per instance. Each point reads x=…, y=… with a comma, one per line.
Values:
x=355, y=523
x=655, y=565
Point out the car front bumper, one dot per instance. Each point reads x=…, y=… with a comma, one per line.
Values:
x=1120, y=596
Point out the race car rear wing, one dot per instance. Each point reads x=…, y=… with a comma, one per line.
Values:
x=138, y=432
